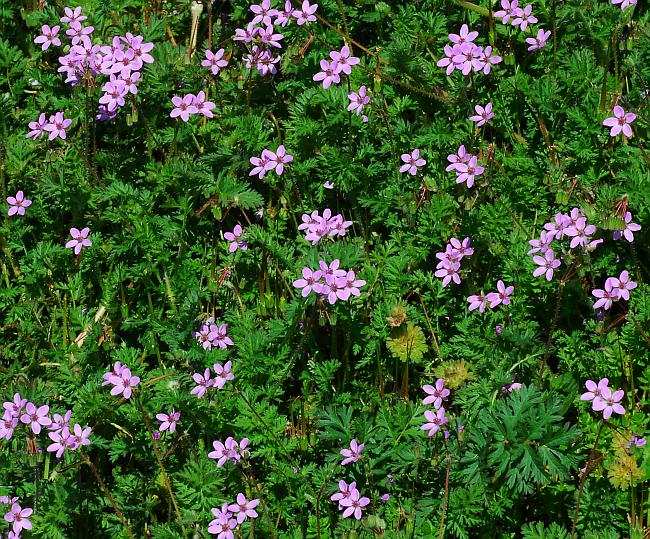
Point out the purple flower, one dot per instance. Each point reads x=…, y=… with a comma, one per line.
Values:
x=483, y=115
x=352, y=454
x=48, y=37
x=524, y=17
x=579, y=232
x=223, y=525
x=328, y=185
x=457, y=158
x=60, y=422
x=541, y=245
x=637, y=441
x=344, y=59
x=79, y=239
x=230, y=450
x=306, y=13
x=214, y=60
x=71, y=16
x=436, y=393
x=620, y=122
x=412, y=162
x=350, y=285
x=37, y=127
x=202, y=106
x=547, y=264
x=263, y=12
x=18, y=204
x=468, y=58
x=508, y=11
x=259, y=164
x=608, y=402
x=168, y=420
x=219, y=337
x=184, y=106
x=244, y=509
x=498, y=330
x=448, y=272
x=20, y=518
x=556, y=229
x=465, y=36
x=467, y=172
x=77, y=32
x=80, y=437
x=57, y=126
x=354, y=504
x=501, y=296
x=8, y=424
x=309, y=281
x=345, y=491
x=509, y=388
x=246, y=35
x=489, y=59
x=36, y=417
x=329, y=73
x=434, y=421
x=276, y=161
x=223, y=373
x=627, y=232
x=114, y=95
x=623, y=284
x=594, y=389
x=607, y=296
x=61, y=440
x=477, y=301
x=624, y=3
x=331, y=270
x=123, y=383
x=284, y=16
x=358, y=100
x=538, y=42
x=117, y=371
x=267, y=37
x=203, y=382
x=234, y=239
x=15, y=408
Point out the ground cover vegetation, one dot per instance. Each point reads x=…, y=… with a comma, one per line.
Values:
x=326, y=269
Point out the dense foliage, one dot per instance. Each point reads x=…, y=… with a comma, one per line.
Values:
x=412, y=271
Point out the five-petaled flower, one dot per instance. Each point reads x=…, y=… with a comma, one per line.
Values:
x=17, y=204
x=620, y=122
x=412, y=162
x=352, y=454
x=435, y=393
x=168, y=421
x=79, y=239
x=483, y=114
x=123, y=383
x=20, y=518
x=435, y=420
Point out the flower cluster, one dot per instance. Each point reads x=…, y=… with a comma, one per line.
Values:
x=615, y=288
x=573, y=225
x=213, y=335
x=603, y=399
x=436, y=394
x=493, y=299
x=229, y=451
x=341, y=62
x=19, y=410
x=16, y=516
x=465, y=165
x=66, y=437
x=230, y=516
x=269, y=160
x=205, y=381
x=350, y=500
x=352, y=454
x=121, y=379
x=511, y=13
x=318, y=227
x=466, y=56
x=330, y=282
x=191, y=104
x=450, y=258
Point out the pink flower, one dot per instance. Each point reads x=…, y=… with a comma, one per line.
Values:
x=352, y=454
x=457, y=158
x=501, y=296
x=477, y=301
x=57, y=126
x=277, y=160
x=594, y=390
x=434, y=421
x=344, y=59
x=71, y=16
x=329, y=73
x=508, y=10
x=19, y=517
x=483, y=115
x=48, y=37
x=259, y=164
x=608, y=402
x=354, y=504
x=168, y=420
x=244, y=509
x=467, y=172
x=37, y=127
x=436, y=393
x=547, y=264
x=184, y=106
x=412, y=162
x=222, y=372
x=36, y=417
x=448, y=272
x=219, y=337
x=309, y=281
x=627, y=232
x=607, y=296
x=263, y=12
x=623, y=284
x=306, y=13
x=358, y=100
x=624, y=3
x=524, y=17
x=202, y=106
x=538, y=42
x=18, y=204
x=123, y=383
x=465, y=35
x=79, y=239
x=234, y=239
x=203, y=382
x=620, y=122
x=214, y=60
